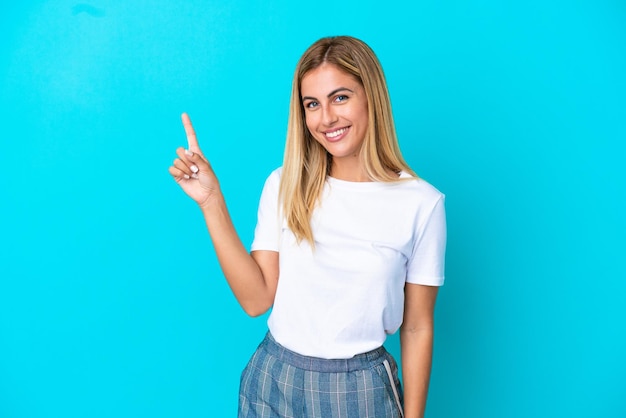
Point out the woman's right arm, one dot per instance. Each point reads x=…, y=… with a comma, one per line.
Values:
x=252, y=277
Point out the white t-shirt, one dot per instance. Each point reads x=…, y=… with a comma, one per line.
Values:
x=344, y=296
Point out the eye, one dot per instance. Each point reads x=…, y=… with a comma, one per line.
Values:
x=341, y=98
x=311, y=105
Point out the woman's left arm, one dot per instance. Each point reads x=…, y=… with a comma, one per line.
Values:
x=416, y=342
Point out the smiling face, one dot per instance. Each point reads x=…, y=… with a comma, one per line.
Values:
x=335, y=109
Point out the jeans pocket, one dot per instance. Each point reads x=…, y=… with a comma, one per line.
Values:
x=387, y=374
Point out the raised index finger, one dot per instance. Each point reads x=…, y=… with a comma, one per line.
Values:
x=192, y=140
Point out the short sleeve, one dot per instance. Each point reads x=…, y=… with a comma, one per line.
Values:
x=267, y=231
x=427, y=263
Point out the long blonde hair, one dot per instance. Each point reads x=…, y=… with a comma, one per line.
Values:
x=306, y=163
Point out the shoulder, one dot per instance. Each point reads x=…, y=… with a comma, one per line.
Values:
x=273, y=179
x=272, y=182
x=421, y=190
x=275, y=174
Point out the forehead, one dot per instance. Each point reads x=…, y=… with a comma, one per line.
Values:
x=326, y=78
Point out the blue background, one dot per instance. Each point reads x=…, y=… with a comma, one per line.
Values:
x=111, y=300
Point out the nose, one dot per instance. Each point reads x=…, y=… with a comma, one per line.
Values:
x=329, y=117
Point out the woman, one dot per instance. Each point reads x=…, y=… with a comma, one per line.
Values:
x=349, y=245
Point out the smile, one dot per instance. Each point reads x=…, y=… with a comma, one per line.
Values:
x=335, y=134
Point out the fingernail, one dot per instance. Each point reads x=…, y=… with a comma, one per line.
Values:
x=186, y=177
x=194, y=175
x=194, y=168
x=189, y=153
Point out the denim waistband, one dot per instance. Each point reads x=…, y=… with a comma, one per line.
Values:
x=358, y=362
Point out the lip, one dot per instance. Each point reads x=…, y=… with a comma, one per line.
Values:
x=338, y=137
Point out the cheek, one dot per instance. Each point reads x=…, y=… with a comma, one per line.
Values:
x=363, y=114
x=309, y=120
x=363, y=120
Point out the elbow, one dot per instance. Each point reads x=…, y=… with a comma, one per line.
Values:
x=417, y=329
x=256, y=303
x=255, y=310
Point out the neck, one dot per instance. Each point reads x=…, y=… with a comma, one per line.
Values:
x=349, y=170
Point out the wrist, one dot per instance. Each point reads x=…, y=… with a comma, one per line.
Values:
x=213, y=201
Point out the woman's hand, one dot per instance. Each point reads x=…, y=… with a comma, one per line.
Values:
x=252, y=278
x=192, y=170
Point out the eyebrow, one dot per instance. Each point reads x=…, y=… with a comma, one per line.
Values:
x=332, y=93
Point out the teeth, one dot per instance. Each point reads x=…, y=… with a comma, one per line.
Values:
x=336, y=133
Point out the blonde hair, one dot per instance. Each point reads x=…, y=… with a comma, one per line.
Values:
x=306, y=163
